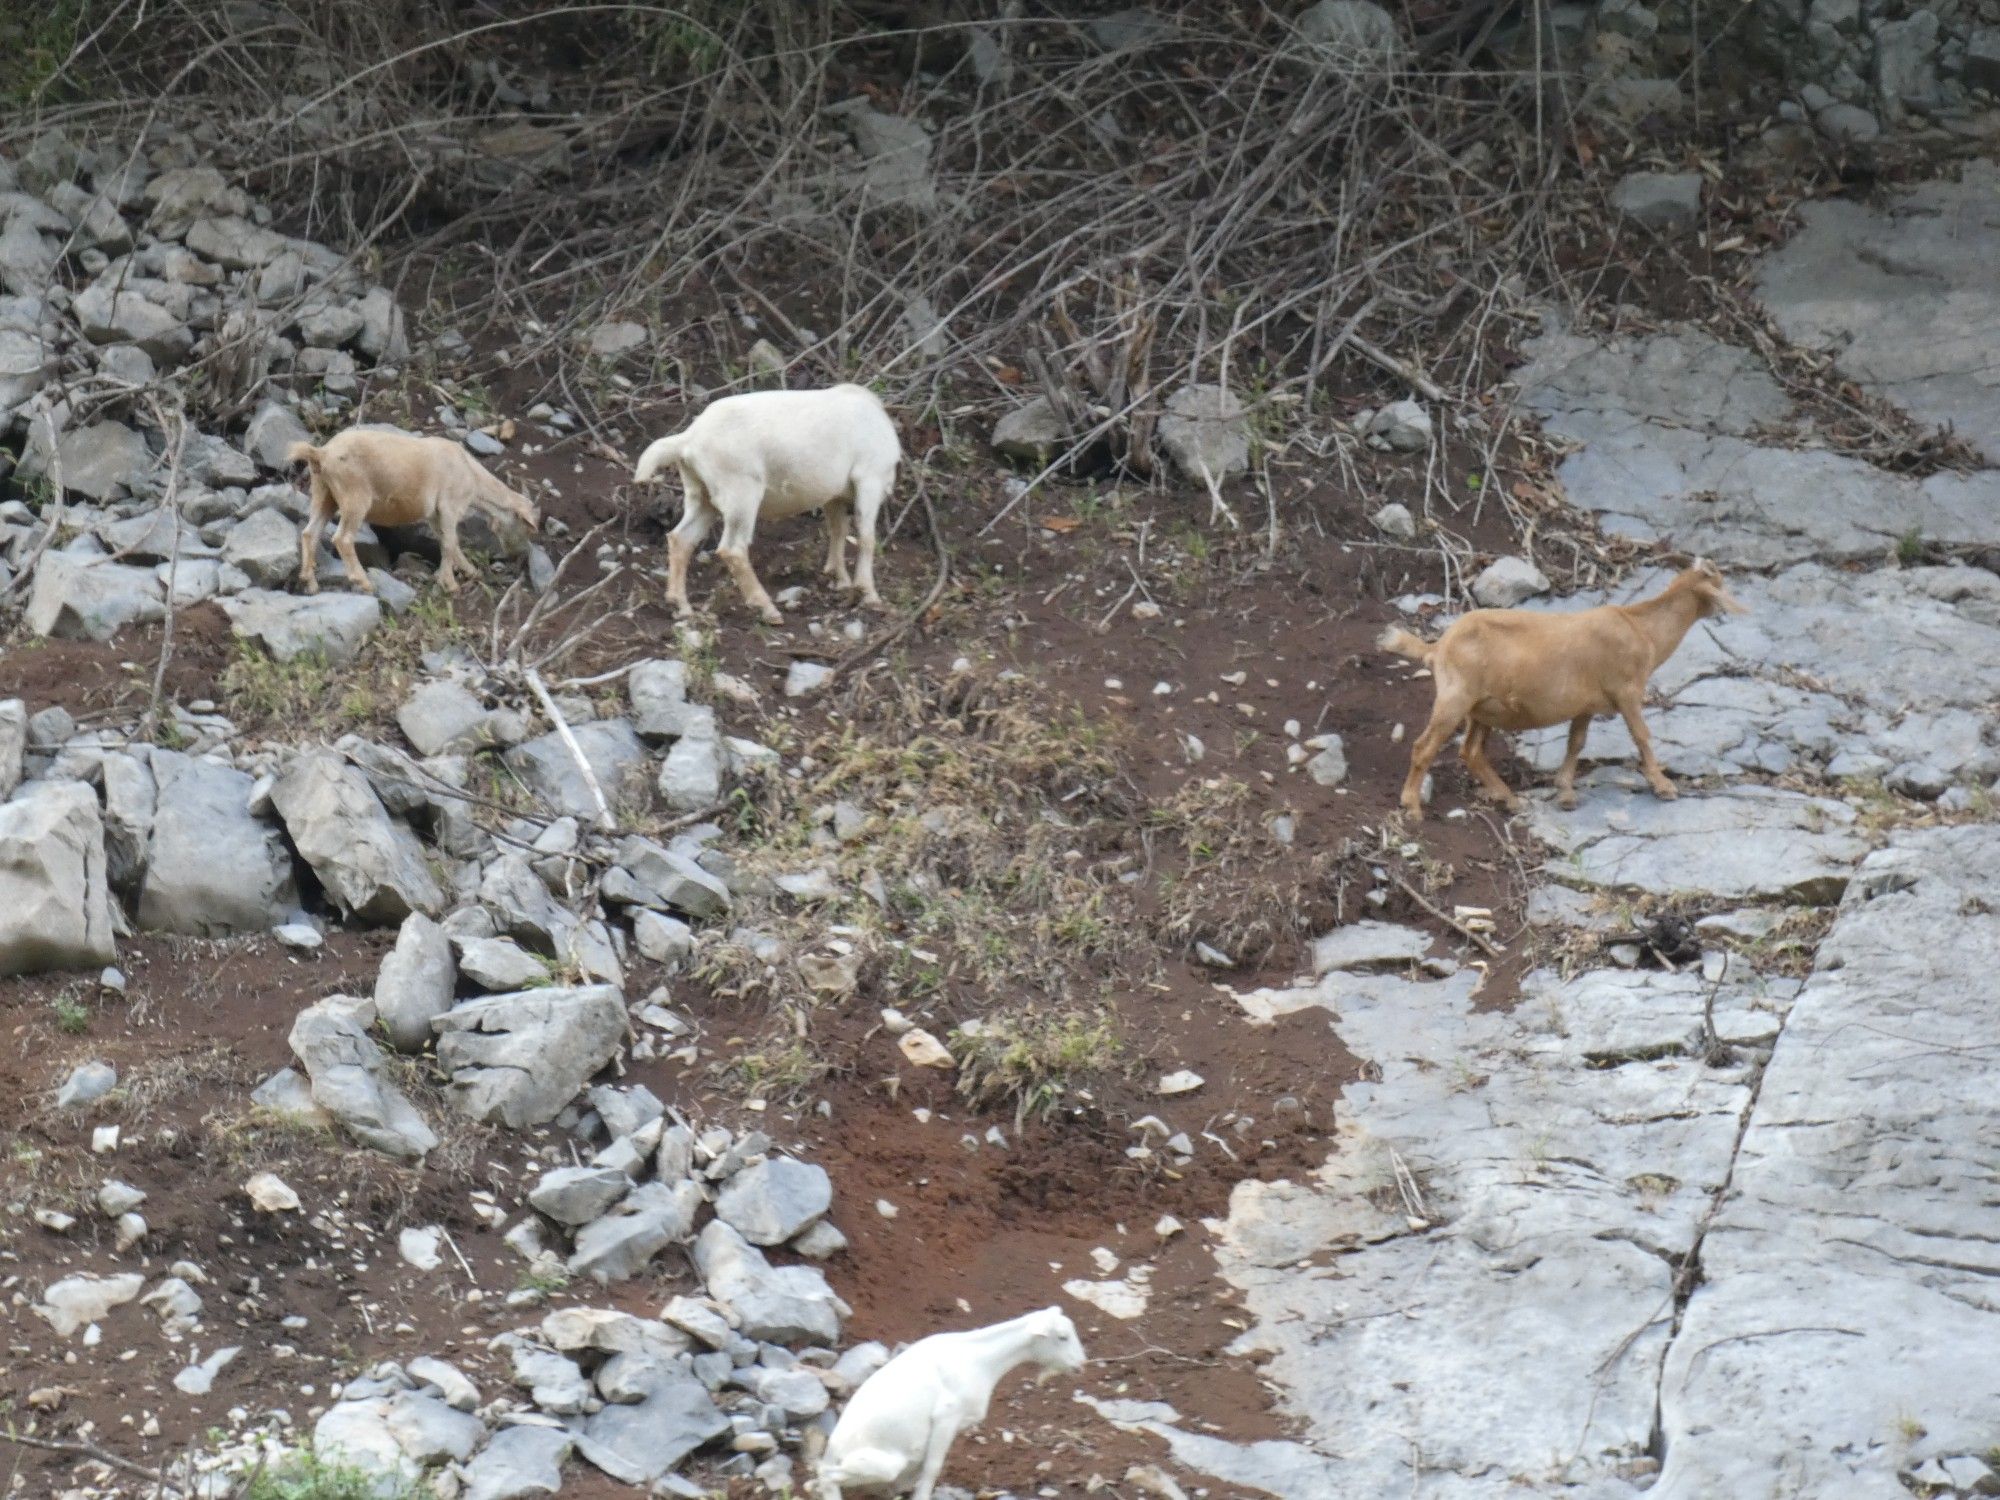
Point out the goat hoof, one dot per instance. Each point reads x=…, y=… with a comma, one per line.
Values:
x=873, y=601
x=1666, y=791
x=1567, y=801
x=771, y=617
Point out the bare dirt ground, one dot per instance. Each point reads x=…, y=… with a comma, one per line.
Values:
x=1243, y=646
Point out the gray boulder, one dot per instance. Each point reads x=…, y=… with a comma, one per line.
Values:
x=289, y=625
x=265, y=545
x=27, y=261
x=1406, y=427
x=519, y=1463
x=235, y=243
x=1204, y=427
x=332, y=1043
x=430, y=1432
x=500, y=964
x=382, y=337
x=55, y=903
x=552, y=1380
x=100, y=461
x=442, y=718
x=371, y=866
x=87, y=598
x=895, y=151
x=661, y=877
x=770, y=1202
x=25, y=363
x=616, y=755
x=13, y=744
x=113, y=313
x=660, y=707
x=622, y=1242
x=576, y=1195
x=520, y=1058
x=691, y=775
x=522, y=906
x=273, y=429
x=211, y=868
x=782, y=1305
x=414, y=985
x=641, y=1442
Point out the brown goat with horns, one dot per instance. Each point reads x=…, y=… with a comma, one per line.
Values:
x=1519, y=669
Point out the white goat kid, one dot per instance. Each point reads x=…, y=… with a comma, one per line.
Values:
x=776, y=454
x=895, y=1433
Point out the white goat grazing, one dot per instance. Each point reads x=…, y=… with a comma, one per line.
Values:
x=778, y=454
x=895, y=1433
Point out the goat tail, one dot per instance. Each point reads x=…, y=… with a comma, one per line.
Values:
x=304, y=453
x=658, y=455
x=1400, y=641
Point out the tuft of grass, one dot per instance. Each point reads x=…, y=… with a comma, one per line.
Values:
x=781, y=1071
x=545, y=1278
x=71, y=1014
x=1034, y=1057
x=307, y=1476
x=1910, y=547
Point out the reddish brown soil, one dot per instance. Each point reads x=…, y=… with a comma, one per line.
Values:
x=978, y=1233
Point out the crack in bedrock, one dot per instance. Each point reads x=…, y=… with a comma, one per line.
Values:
x=1688, y=1276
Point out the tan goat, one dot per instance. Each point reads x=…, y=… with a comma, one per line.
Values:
x=390, y=478
x=1520, y=669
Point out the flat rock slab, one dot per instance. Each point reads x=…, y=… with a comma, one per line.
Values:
x=1907, y=296
x=1498, y=1328
x=1666, y=423
x=1844, y=1328
x=1741, y=843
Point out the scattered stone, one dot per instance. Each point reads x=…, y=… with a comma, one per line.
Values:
x=1328, y=766
x=271, y=1193
x=1353, y=36
x=199, y=1379
x=806, y=678
x=1183, y=1081
x=1406, y=427
x=1205, y=428
x=87, y=1083
x=545, y=766
x=1507, y=582
x=610, y=340
x=520, y=1462
x=265, y=545
x=78, y=1301
x=500, y=965
x=450, y=1383
x=640, y=1442
x=1367, y=945
x=1030, y=433
x=648, y=1219
x=1395, y=520
x=421, y=1246
x=90, y=599
x=924, y=1050
x=1659, y=200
